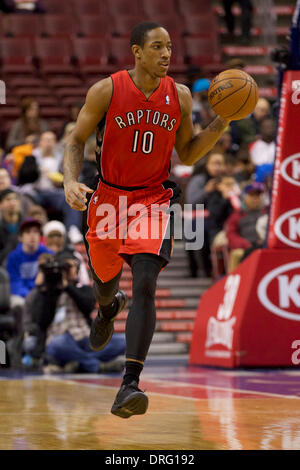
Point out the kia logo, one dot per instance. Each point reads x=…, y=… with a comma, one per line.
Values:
x=293, y=227
x=294, y=176
x=287, y=288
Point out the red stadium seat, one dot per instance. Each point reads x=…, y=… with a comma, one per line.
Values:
x=194, y=7
x=125, y=7
x=158, y=7
x=171, y=22
x=32, y=91
x=54, y=112
x=21, y=25
x=17, y=55
x=92, y=55
x=201, y=51
x=89, y=7
x=59, y=7
x=54, y=55
x=201, y=25
x=59, y=25
x=121, y=53
x=47, y=100
x=124, y=24
x=18, y=82
x=75, y=92
x=62, y=82
x=94, y=26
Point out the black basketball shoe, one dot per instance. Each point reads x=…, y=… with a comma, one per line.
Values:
x=130, y=400
x=102, y=328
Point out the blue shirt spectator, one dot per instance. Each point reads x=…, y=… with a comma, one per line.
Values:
x=22, y=263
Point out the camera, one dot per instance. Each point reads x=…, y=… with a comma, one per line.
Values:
x=53, y=270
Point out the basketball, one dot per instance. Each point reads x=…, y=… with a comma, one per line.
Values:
x=233, y=94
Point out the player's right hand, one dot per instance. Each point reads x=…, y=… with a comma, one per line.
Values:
x=75, y=194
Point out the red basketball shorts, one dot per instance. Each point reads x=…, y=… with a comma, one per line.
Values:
x=121, y=223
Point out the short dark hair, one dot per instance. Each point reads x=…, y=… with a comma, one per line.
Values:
x=138, y=34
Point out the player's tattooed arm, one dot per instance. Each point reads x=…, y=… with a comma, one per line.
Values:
x=191, y=147
x=95, y=107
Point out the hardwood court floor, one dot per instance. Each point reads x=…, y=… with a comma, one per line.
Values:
x=189, y=408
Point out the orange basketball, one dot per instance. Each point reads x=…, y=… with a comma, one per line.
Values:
x=233, y=94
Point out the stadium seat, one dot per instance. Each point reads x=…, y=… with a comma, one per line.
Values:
x=56, y=125
x=125, y=7
x=17, y=55
x=75, y=92
x=201, y=51
x=21, y=25
x=59, y=25
x=54, y=112
x=121, y=53
x=58, y=7
x=47, y=100
x=158, y=7
x=94, y=26
x=89, y=7
x=201, y=25
x=16, y=82
x=123, y=24
x=32, y=91
x=54, y=55
x=194, y=7
x=92, y=55
x=62, y=82
x=172, y=22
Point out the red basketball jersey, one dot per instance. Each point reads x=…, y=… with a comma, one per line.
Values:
x=139, y=133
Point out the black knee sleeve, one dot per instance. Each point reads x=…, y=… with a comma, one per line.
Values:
x=141, y=319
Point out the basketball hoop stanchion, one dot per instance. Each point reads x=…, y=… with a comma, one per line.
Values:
x=252, y=316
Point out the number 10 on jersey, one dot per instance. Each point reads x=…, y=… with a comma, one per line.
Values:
x=146, y=141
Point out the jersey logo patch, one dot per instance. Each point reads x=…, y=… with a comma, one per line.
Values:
x=167, y=99
x=95, y=200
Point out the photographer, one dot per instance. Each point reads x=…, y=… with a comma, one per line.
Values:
x=58, y=317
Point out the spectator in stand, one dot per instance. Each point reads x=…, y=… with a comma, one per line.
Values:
x=202, y=183
x=243, y=132
x=48, y=159
x=246, y=7
x=10, y=211
x=22, y=263
x=56, y=240
x=29, y=123
x=220, y=204
x=244, y=168
x=58, y=323
x=203, y=179
x=5, y=183
x=241, y=225
x=262, y=150
x=47, y=191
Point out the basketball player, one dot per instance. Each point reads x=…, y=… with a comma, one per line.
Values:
x=139, y=115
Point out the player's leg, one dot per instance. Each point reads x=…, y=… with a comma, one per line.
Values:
x=111, y=301
x=246, y=18
x=140, y=327
x=106, y=268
